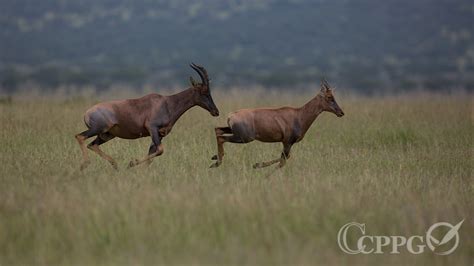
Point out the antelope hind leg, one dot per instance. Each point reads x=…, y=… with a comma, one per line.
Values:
x=220, y=131
x=81, y=138
x=85, y=157
x=220, y=146
x=94, y=146
x=220, y=152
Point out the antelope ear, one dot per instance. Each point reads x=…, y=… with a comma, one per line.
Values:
x=193, y=82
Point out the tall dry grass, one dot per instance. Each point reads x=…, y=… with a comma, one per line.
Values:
x=397, y=164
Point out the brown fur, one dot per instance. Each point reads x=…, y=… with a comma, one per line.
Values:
x=151, y=115
x=287, y=125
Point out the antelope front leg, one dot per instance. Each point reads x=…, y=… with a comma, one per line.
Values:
x=282, y=160
x=285, y=155
x=156, y=149
x=265, y=164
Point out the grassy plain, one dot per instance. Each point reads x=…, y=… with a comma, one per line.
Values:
x=397, y=164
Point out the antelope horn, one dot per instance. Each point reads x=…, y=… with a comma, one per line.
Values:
x=325, y=84
x=202, y=73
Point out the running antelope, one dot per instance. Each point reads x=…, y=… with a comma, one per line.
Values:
x=151, y=115
x=286, y=125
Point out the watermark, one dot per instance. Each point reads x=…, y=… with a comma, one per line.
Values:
x=416, y=244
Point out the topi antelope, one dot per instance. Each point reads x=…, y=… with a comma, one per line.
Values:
x=151, y=115
x=286, y=125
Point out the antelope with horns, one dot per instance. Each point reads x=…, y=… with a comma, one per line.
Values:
x=286, y=125
x=151, y=115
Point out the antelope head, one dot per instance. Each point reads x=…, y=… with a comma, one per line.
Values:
x=204, y=98
x=329, y=103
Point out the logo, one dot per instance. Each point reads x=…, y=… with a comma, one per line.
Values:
x=434, y=243
x=441, y=238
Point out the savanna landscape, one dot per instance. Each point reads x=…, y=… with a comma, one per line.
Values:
x=393, y=164
x=397, y=163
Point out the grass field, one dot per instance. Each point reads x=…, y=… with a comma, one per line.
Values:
x=397, y=164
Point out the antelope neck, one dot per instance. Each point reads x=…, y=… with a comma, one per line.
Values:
x=310, y=111
x=181, y=102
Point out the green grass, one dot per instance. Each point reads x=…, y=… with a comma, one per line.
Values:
x=397, y=164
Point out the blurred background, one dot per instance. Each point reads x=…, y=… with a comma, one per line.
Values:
x=365, y=45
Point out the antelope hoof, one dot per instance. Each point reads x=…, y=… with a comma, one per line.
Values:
x=216, y=164
x=281, y=164
x=133, y=163
x=214, y=157
x=84, y=165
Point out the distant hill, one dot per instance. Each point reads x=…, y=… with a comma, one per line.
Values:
x=363, y=44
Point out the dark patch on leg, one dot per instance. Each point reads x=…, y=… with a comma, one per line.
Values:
x=223, y=130
x=152, y=149
x=97, y=141
x=87, y=134
x=237, y=139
